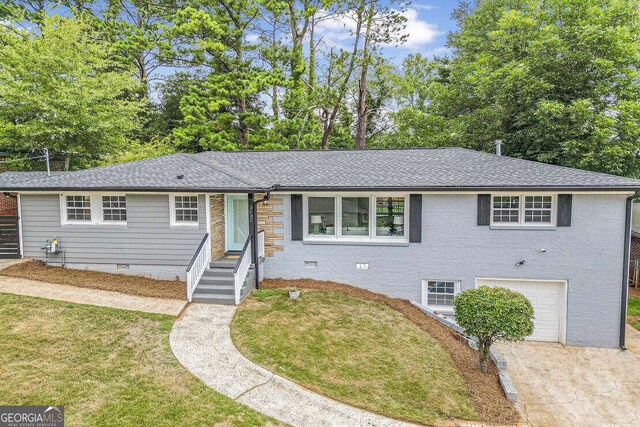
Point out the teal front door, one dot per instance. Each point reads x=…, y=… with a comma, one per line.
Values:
x=237, y=218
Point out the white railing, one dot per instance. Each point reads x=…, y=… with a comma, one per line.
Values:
x=241, y=270
x=260, y=244
x=199, y=263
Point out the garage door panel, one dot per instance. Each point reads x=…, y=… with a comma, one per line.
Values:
x=547, y=299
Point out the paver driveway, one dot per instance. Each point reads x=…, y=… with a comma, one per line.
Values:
x=577, y=386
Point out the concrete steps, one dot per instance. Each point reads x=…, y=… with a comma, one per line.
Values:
x=217, y=283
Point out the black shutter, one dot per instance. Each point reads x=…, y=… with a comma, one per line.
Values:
x=484, y=209
x=415, y=218
x=296, y=217
x=564, y=210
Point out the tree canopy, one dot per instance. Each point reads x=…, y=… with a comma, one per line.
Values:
x=556, y=80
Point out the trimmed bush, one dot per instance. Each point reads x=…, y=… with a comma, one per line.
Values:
x=492, y=314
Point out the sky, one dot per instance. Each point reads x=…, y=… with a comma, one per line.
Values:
x=428, y=23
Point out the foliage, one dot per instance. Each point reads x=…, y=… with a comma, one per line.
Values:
x=492, y=314
x=139, y=151
x=58, y=90
x=557, y=81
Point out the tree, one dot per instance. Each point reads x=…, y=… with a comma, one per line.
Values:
x=557, y=80
x=492, y=314
x=59, y=90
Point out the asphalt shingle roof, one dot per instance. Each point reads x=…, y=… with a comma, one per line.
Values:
x=416, y=169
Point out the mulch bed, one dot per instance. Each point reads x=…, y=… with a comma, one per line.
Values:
x=634, y=292
x=491, y=403
x=126, y=284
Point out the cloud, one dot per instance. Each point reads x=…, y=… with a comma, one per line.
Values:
x=420, y=32
x=421, y=6
x=337, y=31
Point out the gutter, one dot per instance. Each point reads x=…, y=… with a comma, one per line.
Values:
x=254, y=230
x=625, y=270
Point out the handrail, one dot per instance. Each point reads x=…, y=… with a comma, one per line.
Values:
x=242, y=253
x=195, y=255
x=201, y=261
x=241, y=269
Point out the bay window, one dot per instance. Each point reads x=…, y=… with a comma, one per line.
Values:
x=356, y=217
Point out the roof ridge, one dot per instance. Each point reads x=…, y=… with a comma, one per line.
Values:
x=219, y=168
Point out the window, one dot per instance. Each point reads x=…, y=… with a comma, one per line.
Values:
x=185, y=209
x=390, y=216
x=322, y=216
x=537, y=209
x=523, y=209
x=506, y=209
x=356, y=217
x=440, y=293
x=78, y=208
x=114, y=208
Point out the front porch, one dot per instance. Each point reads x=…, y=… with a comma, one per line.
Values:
x=223, y=269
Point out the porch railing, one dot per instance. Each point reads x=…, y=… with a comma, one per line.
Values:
x=199, y=263
x=260, y=244
x=241, y=270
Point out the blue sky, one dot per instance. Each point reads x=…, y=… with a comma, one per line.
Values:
x=428, y=23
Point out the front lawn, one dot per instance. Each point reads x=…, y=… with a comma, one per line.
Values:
x=633, y=309
x=360, y=352
x=107, y=366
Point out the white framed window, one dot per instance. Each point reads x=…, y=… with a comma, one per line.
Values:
x=93, y=209
x=356, y=217
x=184, y=210
x=523, y=209
x=114, y=208
x=439, y=293
x=77, y=208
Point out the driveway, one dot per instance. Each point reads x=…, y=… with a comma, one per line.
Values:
x=562, y=386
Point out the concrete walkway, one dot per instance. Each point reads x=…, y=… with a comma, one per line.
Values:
x=202, y=343
x=90, y=296
x=576, y=386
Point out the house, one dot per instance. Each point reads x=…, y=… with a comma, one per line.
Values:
x=420, y=224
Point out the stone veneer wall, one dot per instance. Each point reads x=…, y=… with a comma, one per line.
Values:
x=217, y=226
x=270, y=220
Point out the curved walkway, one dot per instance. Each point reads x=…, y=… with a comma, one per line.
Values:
x=201, y=341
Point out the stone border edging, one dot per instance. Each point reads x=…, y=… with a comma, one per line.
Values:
x=505, y=380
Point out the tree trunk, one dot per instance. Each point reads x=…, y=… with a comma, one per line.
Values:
x=361, y=126
x=324, y=143
x=67, y=162
x=483, y=348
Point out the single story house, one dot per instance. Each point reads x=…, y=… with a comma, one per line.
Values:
x=420, y=224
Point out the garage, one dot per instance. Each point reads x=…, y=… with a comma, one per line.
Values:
x=549, y=301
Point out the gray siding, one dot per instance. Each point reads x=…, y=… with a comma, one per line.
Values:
x=147, y=239
x=589, y=255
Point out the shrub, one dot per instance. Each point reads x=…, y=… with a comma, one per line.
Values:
x=491, y=314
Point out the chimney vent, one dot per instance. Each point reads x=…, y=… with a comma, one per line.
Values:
x=498, y=143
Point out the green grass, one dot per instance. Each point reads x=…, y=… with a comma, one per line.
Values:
x=359, y=352
x=633, y=312
x=107, y=366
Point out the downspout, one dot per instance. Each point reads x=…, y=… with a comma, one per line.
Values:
x=625, y=269
x=254, y=233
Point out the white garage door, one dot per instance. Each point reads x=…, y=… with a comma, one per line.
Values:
x=548, y=300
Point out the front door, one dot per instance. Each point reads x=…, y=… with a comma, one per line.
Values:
x=237, y=219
